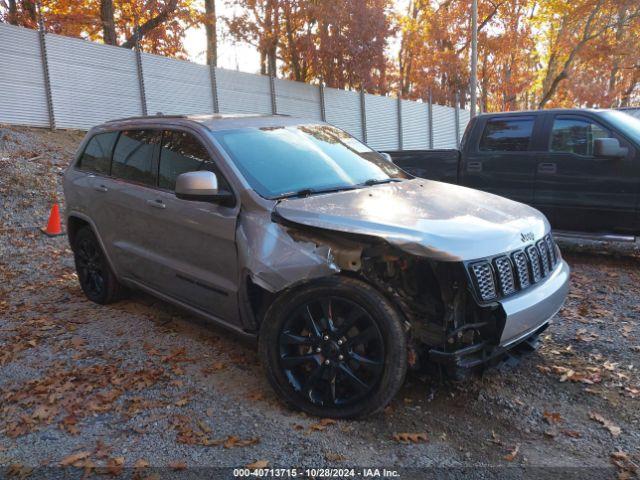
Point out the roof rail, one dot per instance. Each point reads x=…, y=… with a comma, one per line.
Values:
x=142, y=117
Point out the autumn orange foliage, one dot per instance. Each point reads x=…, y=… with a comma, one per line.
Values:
x=532, y=53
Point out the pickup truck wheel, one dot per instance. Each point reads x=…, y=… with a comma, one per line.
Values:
x=98, y=282
x=334, y=348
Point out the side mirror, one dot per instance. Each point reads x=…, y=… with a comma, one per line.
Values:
x=386, y=156
x=201, y=186
x=609, y=147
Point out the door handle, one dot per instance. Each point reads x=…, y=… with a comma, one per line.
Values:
x=549, y=168
x=156, y=203
x=474, y=167
x=101, y=188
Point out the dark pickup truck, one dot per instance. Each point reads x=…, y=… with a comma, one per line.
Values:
x=580, y=167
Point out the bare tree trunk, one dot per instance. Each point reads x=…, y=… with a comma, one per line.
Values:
x=626, y=96
x=263, y=63
x=108, y=22
x=611, y=90
x=13, y=12
x=151, y=24
x=293, y=51
x=29, y=6
x=211, y=22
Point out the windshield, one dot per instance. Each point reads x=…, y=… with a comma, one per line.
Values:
x=284, y=161
x=627, y=124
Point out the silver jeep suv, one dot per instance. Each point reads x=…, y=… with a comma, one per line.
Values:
x=346, y=269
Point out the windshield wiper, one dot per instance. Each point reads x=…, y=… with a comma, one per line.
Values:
x=378, y=181
x=306, y=192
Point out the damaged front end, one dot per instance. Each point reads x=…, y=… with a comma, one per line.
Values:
x=448, y=322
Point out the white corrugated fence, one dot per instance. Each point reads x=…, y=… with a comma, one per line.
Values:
x=90, y=83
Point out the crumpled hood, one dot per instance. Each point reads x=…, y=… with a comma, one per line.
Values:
x=423, y=217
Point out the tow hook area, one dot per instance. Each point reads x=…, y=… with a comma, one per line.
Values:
x=484, y=353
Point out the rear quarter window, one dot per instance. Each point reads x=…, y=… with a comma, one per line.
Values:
x=507, y=135
x=96, y=157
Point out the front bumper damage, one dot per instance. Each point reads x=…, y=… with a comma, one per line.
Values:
x=524, y=317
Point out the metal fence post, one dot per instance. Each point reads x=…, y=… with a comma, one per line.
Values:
x=363, y=115
x=45, y=67
x=430, y=120
x=323, y=107
x=400, y=142
x=143, y=95
x=214, y=89
x=457, y=119
x=272, y=90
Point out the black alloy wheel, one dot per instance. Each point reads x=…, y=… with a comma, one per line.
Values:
x=90, y=268
x=96, y=278
x=332, y=351
x=335, y=349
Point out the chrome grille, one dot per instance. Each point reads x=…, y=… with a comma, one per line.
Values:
x=484, y=280
x=504, y=273
x=534, y=258
x=551, y=247
x=544, y=257
x=522, y=269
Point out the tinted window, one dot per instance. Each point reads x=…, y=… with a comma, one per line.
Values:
x=575, y=135
x=282, y=160
x=182, y=152
x=97, y=155
x=507, y=135
x=134, y=156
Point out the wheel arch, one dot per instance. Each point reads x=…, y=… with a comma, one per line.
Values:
x=78, y=220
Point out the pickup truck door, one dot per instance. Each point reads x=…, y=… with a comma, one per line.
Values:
x=579, y=191
x=501, y=158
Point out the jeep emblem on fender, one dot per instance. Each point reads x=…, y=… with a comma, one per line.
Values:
x=527, y=237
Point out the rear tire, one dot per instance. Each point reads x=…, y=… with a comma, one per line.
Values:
x=97, y=280
x=334, y=348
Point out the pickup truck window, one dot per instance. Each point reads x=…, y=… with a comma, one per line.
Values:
x=575, y=135
x=507, y=135
x=277, y=161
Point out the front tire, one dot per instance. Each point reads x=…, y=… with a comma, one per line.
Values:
x=334, y=348
x=97, y=280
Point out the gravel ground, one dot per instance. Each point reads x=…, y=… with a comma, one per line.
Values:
x=139, y=387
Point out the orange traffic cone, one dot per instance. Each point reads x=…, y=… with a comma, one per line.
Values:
x=53, y=228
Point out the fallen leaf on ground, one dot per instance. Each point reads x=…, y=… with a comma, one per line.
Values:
x=73, y=458
x=141, y=463
x=178, y=465
x=613, y=429
x=322, y=424
x=258, y=464
x=627, y=468
x=510, y=457
x=18, y=470
x=552, y=417
x=410, y=437
x=233, y=441
x=115, y=466
x=571, y=433
x=334, y=457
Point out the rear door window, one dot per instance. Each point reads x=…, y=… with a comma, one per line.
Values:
x=575, y=135
x=134, y=156
x=96, y=157
x=507, y=135
x=182, y=152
